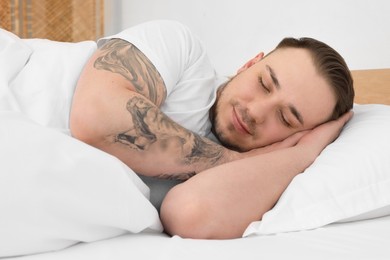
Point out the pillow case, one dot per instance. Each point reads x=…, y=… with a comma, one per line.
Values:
x=44, y=87
x=38, y=76
x=350, y=180
x=13, y=56
x=56, y=191
x=12, y=49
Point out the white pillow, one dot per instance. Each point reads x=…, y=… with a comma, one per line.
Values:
x=38, y=77
x=13, y=56
x=56, y=191
x=44, y=87
x=350, y=180
x=12, y=49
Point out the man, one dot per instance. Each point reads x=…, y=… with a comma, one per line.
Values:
x=150, y=96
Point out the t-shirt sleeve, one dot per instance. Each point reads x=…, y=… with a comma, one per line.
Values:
x=183, y=64
x=169, y=45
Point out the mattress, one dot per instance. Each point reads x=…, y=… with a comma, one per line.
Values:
x=368, y=239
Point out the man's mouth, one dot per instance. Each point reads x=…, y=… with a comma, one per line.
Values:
x=239, y=124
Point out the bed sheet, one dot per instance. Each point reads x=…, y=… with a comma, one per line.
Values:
x=368, y=239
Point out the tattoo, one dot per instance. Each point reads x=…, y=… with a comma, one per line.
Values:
x=203, y=148
x=145, y=116
x=122, y=57
x=151, y=126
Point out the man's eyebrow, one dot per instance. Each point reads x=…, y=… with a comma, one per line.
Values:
x=273, y=76
x=292, y=108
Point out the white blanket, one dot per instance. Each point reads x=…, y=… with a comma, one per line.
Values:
x=56, y=191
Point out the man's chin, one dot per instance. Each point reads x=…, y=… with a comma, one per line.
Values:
x=225, y=142
x=233, y=146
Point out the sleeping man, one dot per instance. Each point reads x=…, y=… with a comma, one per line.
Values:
x=150, y=96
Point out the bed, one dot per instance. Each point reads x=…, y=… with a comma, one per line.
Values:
x=62, y=199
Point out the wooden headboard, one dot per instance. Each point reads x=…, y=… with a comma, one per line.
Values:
x=372, y=86
x=59, y=20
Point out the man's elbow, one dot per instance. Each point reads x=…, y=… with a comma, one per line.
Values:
x=185, y=214
x=182, y=216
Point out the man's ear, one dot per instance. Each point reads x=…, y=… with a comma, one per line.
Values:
x=252, y=61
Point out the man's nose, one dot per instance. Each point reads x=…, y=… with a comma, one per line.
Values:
x=262, y=110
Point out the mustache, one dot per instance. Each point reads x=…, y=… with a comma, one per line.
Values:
x=245, y=117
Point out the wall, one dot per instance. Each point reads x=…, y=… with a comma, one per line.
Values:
x=235, y=30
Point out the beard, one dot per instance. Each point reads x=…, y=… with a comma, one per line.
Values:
x=216, y=128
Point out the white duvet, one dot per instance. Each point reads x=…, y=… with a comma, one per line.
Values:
x=56, y=191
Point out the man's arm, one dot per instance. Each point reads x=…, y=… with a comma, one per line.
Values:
x=221, y=202
x=116, y=108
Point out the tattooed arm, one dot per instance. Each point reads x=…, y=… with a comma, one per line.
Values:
x=116, y=108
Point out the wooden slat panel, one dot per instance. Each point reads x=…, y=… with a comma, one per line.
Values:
x=60, y=20
x=372, y=86
x=5, y=15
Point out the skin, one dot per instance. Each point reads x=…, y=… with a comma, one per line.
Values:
x=256, y=109
x=220, y=203
x=116, y=108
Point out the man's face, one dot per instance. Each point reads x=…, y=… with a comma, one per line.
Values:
x=272, y=98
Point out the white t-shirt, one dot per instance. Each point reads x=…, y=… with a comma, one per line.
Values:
x=181, y=60
x=189, y=77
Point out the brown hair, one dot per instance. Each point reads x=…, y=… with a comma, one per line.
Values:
x=331, y=65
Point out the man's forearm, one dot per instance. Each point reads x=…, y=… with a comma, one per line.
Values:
x=154, y=145
x=221, y=202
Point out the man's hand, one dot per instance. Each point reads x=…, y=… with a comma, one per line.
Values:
x=290, y=141
x=317, y=139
